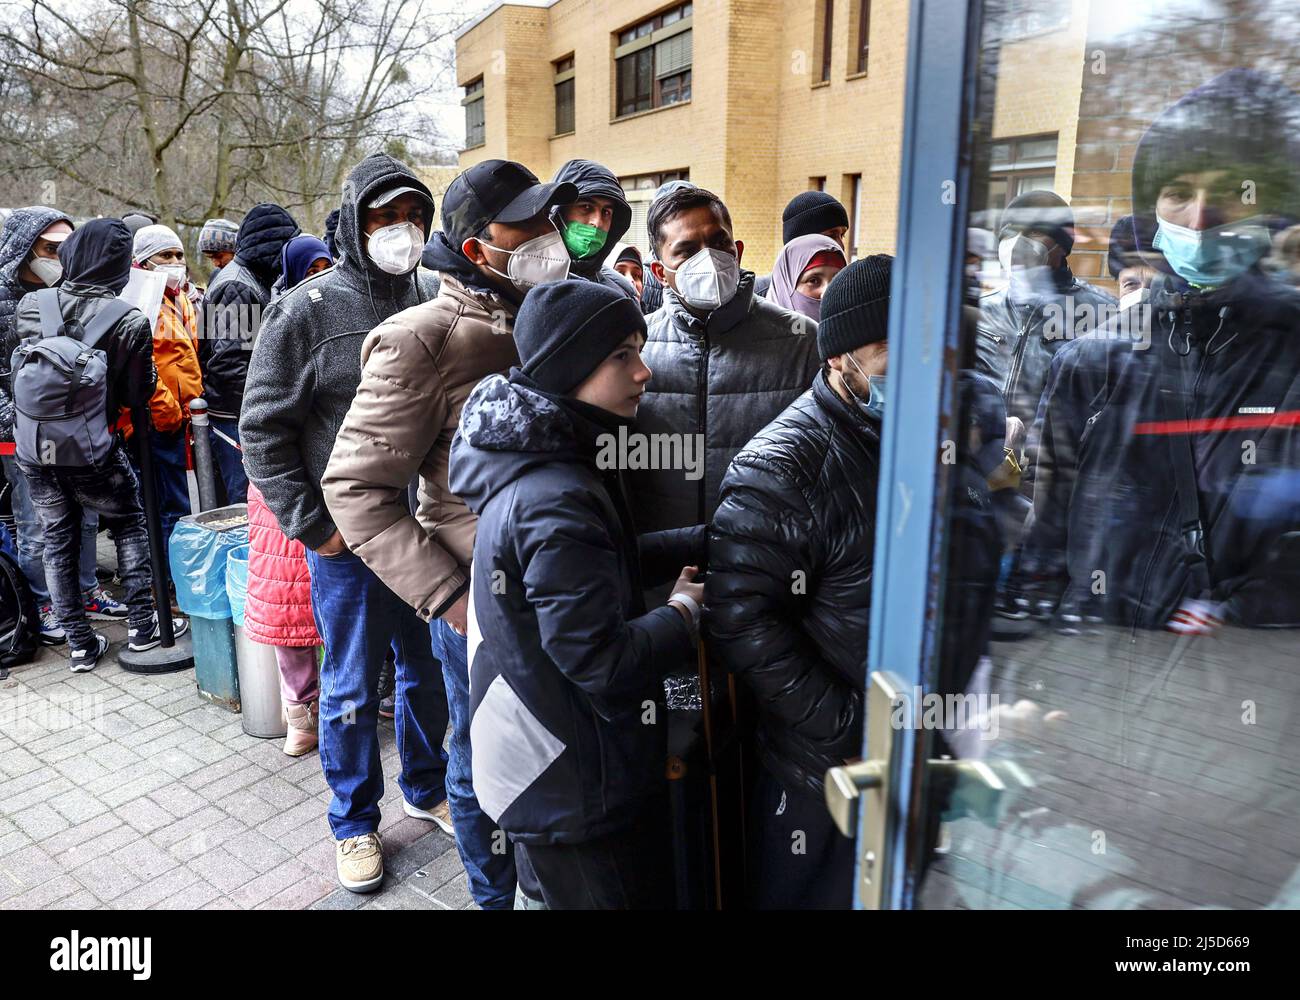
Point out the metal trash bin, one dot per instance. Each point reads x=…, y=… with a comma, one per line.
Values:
x=262, y=713
x=200, y=545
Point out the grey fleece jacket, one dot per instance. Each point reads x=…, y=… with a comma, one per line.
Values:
x=306, y=362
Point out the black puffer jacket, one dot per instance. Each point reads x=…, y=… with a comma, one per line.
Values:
x=720, y=379
x=234, y=303
x=565, y=665
x=594, y=180
x=1017, y=340
x=788, y=595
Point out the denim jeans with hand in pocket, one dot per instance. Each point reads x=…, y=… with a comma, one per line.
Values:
x=359, y=618
x=61, y=497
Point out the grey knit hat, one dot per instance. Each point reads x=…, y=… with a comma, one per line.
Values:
x=218, y=236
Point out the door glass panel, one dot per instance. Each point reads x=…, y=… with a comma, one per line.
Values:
x=1119, y=630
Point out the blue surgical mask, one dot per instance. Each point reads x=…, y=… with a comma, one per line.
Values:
x=1212, y=257
x=874, y=404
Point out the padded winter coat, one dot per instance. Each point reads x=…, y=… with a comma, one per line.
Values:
x=722, y=379
x=278, y=610
x=568, y=724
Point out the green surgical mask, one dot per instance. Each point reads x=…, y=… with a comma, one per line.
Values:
x=584, y=240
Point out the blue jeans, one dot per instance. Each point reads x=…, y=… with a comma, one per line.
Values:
x=31, y=537
x=230, y=461
x=484, y=850
x=61, y=496
x=358, y=619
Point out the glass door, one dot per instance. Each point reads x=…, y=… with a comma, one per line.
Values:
x=1085, y=669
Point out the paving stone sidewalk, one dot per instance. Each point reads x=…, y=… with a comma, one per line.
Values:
x=130, y=791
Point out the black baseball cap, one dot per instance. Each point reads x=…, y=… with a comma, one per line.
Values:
x=497, y=191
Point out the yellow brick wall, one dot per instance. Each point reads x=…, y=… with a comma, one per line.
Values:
x=756, y=129
x=1038, y=85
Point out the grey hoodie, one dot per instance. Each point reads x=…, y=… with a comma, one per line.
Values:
x=17, y=237
x=306, y=363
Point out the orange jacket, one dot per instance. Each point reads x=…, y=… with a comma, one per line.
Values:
x=177, y=361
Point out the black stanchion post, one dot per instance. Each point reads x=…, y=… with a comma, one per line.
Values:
x=204, y=467
x=169, y=655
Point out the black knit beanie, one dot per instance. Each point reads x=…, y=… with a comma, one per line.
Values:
x=855, y=308
x=811, y=212
x=1042, y=212
x=565, y=329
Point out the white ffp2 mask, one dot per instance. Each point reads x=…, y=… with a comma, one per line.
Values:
x=708, y=279
x=396, y=249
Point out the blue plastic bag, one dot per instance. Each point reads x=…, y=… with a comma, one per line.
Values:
x=237, y=582
x=198, y=563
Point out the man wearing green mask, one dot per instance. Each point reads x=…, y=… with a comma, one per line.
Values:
x=594, y=224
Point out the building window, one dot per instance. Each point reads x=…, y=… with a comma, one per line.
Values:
x=564, y=95
x=1020, y=165
x=861, y=38
x=825, y=29
x=653, y=62
x=639, y=190
x=816, y=183
x=475, y=122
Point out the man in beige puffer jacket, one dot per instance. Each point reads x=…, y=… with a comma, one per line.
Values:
x=418, y=368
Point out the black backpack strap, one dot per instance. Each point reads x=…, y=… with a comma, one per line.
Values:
x=1182, y=457
x=114, y=310
x=47, y=301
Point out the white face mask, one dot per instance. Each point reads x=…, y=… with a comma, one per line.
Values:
x=539, y=261
x=176, y=274
x=1024, y=262
x=396, y=249
x=707, y=280
x=1133, y=298
x=47, y=269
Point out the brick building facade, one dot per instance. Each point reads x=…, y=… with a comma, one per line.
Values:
x=776, y=102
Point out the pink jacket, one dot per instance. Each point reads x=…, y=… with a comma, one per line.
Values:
x=278, y=612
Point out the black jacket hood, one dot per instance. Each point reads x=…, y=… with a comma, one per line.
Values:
x=592, y=179
x=262, y=235
x=99, y=253
x=1241, y=120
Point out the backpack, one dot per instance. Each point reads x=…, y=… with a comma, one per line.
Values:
x=19, y=626
x=60, y=388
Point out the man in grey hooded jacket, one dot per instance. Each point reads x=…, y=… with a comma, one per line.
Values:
x=303, y=375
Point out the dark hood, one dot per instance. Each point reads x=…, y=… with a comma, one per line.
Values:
x=505, y=429
x=376, y=173
x=509, y=426
x=20, y=231
x=99, y=254
x=440, y=256
x=592, y=179
x=1242, y=120
x=262, y=236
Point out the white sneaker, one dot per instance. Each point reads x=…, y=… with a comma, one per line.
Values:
x=83, y=660
x=439, y=814
x=141, y=639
